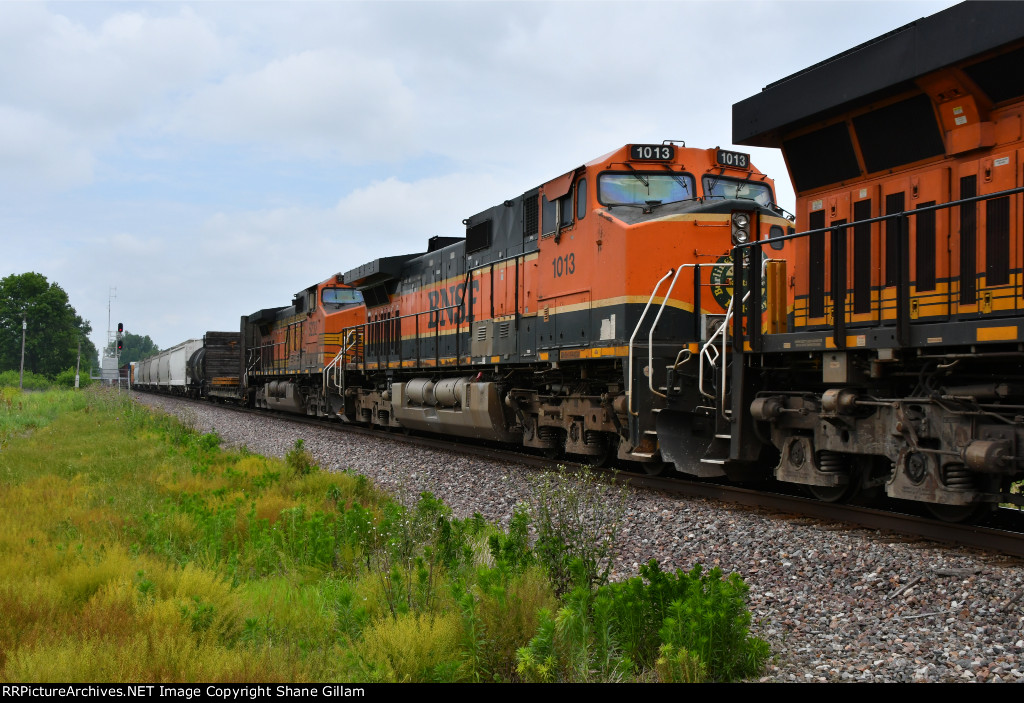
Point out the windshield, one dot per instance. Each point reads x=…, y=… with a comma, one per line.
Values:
x=341, y=296
x=720, y=187
x=644, y=188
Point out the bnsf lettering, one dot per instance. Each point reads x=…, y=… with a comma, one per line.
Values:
x=446, y=298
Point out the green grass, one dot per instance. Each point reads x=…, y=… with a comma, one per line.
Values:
x=40, y=382
x=134, y=549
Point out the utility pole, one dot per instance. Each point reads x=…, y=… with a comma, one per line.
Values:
x=21, y=377
x=109, y=371
x=78, y=364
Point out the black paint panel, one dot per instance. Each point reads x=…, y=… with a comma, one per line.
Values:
x=883, y=66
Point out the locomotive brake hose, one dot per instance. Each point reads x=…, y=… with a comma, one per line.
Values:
x=514, y=404
x=606, y=403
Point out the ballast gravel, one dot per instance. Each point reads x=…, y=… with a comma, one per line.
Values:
x=835, y=604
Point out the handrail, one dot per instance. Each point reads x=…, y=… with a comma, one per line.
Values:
x=902, y=283
x=372, y=324
x=708, y=348
x=654, y=325
x=636, y=330
x=348, y=342
x=882, y=218
x=650, y=335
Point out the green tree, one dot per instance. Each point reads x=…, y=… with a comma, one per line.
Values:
x=54, y=328
x=135, y=347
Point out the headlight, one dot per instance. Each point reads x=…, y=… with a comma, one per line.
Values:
x=740, y=228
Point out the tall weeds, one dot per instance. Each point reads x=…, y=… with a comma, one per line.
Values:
x=133, y=548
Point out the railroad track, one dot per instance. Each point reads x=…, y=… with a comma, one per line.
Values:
x=1001, y=533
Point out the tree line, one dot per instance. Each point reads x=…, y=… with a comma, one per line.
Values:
x=54, y=329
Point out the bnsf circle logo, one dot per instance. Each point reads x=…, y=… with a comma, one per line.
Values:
x=721, y=283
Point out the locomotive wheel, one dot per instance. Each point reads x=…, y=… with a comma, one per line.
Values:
x=841, y=494
x=599, y=461
x=609, y=450
x=657, y=468
x=833, y=494
x=958, y=513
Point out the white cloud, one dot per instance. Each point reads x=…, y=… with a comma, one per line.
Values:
x=319, y=102
x=96, y=79
x=36, y=152
x=67, y=90
x=385, y=218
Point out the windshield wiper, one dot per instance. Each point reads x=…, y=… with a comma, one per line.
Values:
x=678, y=179
x=647, y=183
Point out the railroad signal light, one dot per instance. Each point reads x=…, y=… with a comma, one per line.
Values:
x=740, y=227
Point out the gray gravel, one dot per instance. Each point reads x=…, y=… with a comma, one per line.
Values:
x=835, y=604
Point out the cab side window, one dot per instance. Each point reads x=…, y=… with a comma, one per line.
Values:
x=565, y=208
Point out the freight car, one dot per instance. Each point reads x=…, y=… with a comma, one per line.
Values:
x=901, y=367
x=207, y=367
x=168, y=370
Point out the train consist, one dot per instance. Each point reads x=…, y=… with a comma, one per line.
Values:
x=563, y=318
x=656, y=306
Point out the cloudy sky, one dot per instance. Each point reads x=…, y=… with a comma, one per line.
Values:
x=209, y=159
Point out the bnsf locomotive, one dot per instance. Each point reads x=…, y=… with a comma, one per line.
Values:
x=655, y=305
x=559, y=322
x=902, y=366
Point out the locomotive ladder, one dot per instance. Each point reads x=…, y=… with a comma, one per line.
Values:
x=710, y=355
x=715, y=362
x=735, y=447
x=334, y=372
x=715, y=356
x=730, y=443
x=633, y=416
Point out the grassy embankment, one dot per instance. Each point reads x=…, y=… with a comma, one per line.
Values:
x=134, y=549
x=40, y=382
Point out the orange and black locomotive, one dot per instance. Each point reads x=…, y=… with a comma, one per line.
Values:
x=902, y=367
x=564, y=315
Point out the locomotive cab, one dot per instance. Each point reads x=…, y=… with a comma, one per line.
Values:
x=289, y=351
